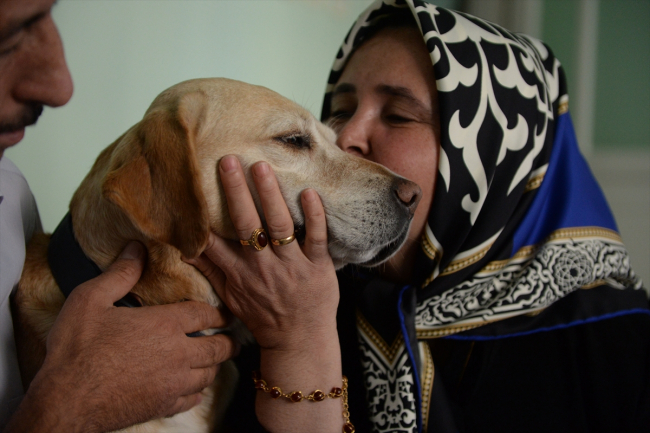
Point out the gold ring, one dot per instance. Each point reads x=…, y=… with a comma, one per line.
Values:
x=284, y=241
x=258, y=239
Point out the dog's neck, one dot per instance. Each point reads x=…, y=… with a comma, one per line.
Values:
x=103, y=230
x=69, y=264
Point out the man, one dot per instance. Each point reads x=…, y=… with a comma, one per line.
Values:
x=83, y=385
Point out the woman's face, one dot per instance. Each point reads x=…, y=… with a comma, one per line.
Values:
x=385, y=109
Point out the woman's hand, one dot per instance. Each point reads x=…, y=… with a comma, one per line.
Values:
x=286, y=295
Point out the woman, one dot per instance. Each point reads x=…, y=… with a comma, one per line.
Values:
x=477, y=324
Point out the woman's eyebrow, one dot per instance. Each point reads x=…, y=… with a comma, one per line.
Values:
x=401, y=92
x=344, y=88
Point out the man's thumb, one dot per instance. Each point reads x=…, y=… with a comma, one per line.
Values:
x=133, y=251
x=124, y=273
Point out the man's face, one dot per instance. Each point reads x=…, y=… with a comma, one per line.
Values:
x=33, y=72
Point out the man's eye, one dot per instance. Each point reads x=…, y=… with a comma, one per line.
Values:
x=7, y=51
x=299, y=141
x=10, y=45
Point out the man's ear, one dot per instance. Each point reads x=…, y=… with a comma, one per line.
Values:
x=154, y=177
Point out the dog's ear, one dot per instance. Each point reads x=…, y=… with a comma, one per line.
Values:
x=154, y=176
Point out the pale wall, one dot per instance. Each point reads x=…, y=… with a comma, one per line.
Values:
x=123, y=53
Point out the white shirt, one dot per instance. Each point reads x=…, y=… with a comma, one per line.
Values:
x=18, y=221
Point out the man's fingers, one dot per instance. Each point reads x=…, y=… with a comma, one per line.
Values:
x=211, y=350
x=240, y=202
x=120, y=277
x=316, y=226
x=201, y=378
x=185, y=403
x=195, y=316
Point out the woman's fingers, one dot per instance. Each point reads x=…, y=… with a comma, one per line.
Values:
x=218, y=255
x=240, y=202
x=316, y=226
x=277, y=216
x=278, y=219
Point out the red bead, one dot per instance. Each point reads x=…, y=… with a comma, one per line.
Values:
x=319, y=395
x=262, y=240
x=260, y=384
x=296, y=396
x=275, y=392
x=348, y=428
x=337, y=392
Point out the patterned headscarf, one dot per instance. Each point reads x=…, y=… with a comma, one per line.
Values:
x=517, y=221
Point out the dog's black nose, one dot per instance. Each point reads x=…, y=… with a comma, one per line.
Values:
x=408, y=193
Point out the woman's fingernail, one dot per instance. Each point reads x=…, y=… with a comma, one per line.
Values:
x=228, y=163
x=261, y=169
x=133, y=250
x=310, y=195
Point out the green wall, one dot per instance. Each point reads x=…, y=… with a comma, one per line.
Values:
x=622, y=116
x=622, y=94
x=560, y=33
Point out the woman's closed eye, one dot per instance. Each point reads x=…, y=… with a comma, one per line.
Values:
x=339, y=118
x=397, y=119
x=403, y=114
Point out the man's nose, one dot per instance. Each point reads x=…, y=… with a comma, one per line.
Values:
x=45, y=78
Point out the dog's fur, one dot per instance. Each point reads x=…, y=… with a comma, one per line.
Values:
x=158, y=184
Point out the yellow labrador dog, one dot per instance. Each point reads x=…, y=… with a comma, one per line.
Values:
x=158, y=183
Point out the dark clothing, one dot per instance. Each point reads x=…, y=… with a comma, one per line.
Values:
x=587, y=378
x=584, y=377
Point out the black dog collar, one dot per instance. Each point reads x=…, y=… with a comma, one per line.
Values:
x=69, y=264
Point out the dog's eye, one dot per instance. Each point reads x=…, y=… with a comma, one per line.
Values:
x=296, y=140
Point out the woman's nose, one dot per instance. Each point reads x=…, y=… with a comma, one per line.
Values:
x=354, y=137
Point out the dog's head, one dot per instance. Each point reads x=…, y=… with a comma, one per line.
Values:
x=163, y=173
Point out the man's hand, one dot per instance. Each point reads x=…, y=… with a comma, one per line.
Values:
x=110, y=367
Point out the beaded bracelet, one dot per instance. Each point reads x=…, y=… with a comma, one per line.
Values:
x=315, y=396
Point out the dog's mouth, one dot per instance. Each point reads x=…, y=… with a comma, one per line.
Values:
x=369, y=258
x=388, y=251
x=384, y=253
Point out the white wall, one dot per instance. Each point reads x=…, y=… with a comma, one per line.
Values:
x=123, y=53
